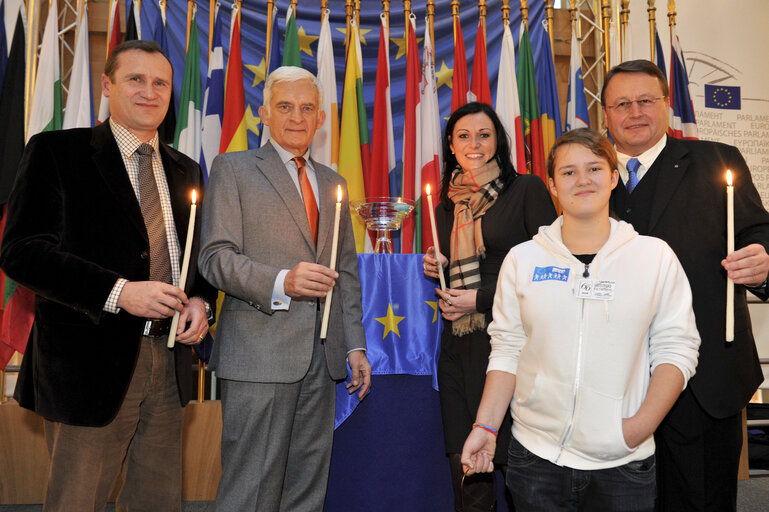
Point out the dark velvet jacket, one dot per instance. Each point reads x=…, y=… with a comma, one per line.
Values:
x=689, y=213
x=74, y=227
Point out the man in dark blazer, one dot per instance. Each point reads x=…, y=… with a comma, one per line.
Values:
x=676, y=190
x=95, y=224
x=266, y=242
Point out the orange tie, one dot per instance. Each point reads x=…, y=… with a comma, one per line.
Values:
x=310, y=206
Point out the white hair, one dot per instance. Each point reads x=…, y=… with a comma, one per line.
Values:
x=289, y=74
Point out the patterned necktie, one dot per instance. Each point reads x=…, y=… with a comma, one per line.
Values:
x=310, y=206
x=160, y=262
x=632, y=170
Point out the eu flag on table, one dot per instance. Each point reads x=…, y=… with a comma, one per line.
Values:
x=723, y=96
x=400, y=318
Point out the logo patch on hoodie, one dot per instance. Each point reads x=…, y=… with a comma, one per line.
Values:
x=550, y=274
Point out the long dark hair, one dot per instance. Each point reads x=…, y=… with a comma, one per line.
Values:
x=506, y=169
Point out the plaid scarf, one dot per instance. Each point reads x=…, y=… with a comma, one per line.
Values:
x=473, y=192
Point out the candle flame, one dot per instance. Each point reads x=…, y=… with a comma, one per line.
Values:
x=729, y=177
x=427, y=188
x=339, y=193
x=194, y=196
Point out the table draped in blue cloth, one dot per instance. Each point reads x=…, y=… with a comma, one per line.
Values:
x=400, y=318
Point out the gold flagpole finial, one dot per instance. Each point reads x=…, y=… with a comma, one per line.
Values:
x=652, y=27
x=525, y=13
x=671, y=12
x=431, y=21
x=348, y=18
x=606, y=25
x=356, y=10
x=505, y=12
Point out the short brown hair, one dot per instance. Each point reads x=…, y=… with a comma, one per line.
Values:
x=591, y=139
x=135, y=44
x=646, y=67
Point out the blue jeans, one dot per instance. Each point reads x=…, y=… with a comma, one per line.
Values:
x=539, y=485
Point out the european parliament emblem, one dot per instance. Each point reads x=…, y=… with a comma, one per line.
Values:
x=723, y=96
x=550, y=274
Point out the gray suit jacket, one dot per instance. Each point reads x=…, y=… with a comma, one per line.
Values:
x=253, y=225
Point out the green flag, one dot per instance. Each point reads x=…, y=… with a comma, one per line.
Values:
x=291, y=53
x=187, y=137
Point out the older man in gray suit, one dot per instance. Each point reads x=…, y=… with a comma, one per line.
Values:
x=266, y=242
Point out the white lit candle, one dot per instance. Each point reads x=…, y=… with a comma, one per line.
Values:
x=729, y=250
x=436, y=245
x=332, y=265
x=185, y=266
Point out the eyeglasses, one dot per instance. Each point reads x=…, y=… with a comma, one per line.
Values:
x=645, y=104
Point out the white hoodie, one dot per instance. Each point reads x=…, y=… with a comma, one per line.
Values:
x=584, y=364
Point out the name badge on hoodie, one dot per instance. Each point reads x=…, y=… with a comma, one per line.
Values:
x=550, y=274
x=596, y=290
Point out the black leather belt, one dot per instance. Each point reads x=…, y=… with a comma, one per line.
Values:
x=159, y=328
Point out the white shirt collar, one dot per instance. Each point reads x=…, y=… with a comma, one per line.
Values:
x=646, y=158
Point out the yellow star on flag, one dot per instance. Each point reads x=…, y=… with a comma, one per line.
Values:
x=252, y=122
x=258, y=72
x=401, y=42
x=390, y=322
x=434, y=305
x=362, y=32
x=444, y=76
x=305, y=41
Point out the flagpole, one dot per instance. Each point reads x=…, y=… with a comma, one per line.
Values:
x=671, y=17
x=482, y=15
x=623, y=27
x=505, y=12
x=323, y=6
x=431, y=21
x=190, y=9
x=652, y=27
x=348, y=18
x=356, y=11
x=525, y=13
x=212, y=5
x=386, y=12
x=268, y=39
x=606, y=25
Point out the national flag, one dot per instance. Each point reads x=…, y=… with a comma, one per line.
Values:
x=615, y=57
x=167, y=129
x=430, y=140
x=508, y=105
x=234, y=133
x=723, y=96
x=213, y=100
x=530, y=120
x=187, y=138
x=576, y=107
x=659, y=57
x=79, y=111
x=547, y=89
x=45, y=111
x=379, y=183
x=12, y=112
x=133, y=27
x=479, y=86
x=325, y=144
x=459, y=78
x=412, y=134
x=272, y=61
x=683, y=124
x=113, y=39
x=354, y=141
x=291, y=53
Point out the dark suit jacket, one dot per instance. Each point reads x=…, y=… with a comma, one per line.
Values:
x=689, y=213
x=74, y=227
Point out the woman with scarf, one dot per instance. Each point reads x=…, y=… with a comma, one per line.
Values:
x=485, y=209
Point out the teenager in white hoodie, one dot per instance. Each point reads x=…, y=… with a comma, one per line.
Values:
x=593, y=339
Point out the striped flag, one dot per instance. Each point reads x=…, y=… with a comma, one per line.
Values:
x=459, y=78
x=683, y=124
x=325, y=144
x=187, y=138
x=133, y=27
x=291, y=54
x=234, y=133
x=272, y=61
x=213, y=100
x=530, y=120
x=430, y=140
x=379, y=183
x=659, y=56
x=113, y=39
x=576, y=107
x=549, y=104
x=412, y=134
x=508, y=105
x=479, y=86
x=45, y=112
x=354, y=153
x=79, y=111
x=167, y=129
